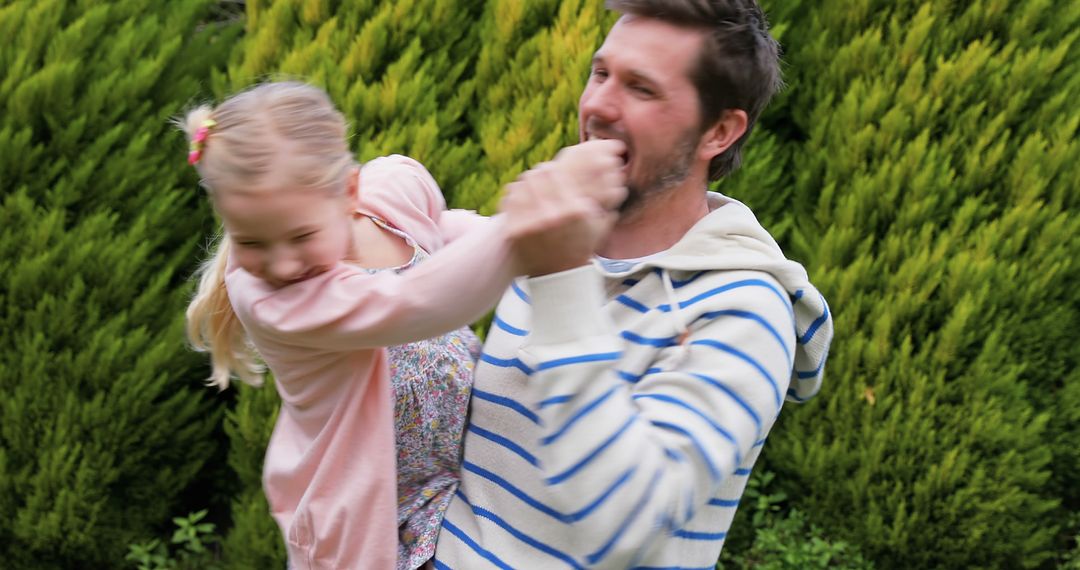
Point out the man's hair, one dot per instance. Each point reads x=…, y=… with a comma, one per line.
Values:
x=739, y=63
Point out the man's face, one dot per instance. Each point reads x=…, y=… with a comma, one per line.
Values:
x=640, y=92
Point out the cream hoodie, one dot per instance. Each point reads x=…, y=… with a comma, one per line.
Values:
x=617, y=413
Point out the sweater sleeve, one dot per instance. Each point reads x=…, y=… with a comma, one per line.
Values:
x=456, y=223
x=401, y=191
x=660, y=442
x=347, y=308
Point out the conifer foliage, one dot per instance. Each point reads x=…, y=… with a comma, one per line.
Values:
x=100, y=428
x=922, y=163
x=933, y=195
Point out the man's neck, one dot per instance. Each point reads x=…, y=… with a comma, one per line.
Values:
x=657, y=224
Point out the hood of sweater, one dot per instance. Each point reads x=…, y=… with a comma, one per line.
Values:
x=731, y=238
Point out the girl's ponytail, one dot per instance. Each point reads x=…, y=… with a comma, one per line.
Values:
x=212, y=325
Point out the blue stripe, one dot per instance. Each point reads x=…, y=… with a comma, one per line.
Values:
x=508, y=327
x=602, y=498
x=600, y=554
x=492, y=436
x=735, y=285
x=724, y=502
x=697, y=444
x=599, y=357
x=441, y=566
x=689, y=535
x=738, y=400
x=634, y=379
x=522, y=537
x=744, y=471
x=793, y=394
x=632, y=304
x=521, y=294
x=555, y=400
x=486, y=555
x=746, y=358
x=816, y=324
x=760, y=320
x=660, y=342
x=506, y=363
x=507, y=402
x=630, y=282
x=677, y=402
x=674, y=454
x=580, y=413
x=675, y=282
x=759, y=443
x=541, y=507
x=804, y=374
x=510, y=488
x=592, y=455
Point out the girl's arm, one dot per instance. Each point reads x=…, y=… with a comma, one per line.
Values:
x=456, y=223
x=347, y=308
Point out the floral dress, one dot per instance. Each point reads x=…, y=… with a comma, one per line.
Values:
x=432, y=381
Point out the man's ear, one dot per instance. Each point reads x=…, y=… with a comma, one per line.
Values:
x=352, y=189
x=723, y=133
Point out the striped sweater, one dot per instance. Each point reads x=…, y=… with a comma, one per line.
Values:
x=616, y=414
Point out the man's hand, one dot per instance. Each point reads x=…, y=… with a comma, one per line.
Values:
x=559, y=212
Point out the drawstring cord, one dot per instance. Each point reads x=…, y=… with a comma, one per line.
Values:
x=681, y=348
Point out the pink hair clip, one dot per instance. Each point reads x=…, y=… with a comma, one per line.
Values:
x=195, y=147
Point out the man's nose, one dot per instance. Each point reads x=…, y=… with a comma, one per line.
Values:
x=602, y=102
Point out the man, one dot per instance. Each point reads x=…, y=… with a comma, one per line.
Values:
x=619, y=406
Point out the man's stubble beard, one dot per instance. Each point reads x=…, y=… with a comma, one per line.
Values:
x=668, y=172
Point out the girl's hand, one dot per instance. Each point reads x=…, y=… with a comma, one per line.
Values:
x=558, y=213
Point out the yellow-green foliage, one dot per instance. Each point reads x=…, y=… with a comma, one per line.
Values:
x=923, y=163
x=400, y=71
x=103, y=424
x=936, y=170
x=533, y=62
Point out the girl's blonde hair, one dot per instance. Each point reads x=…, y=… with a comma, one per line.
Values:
x=250, y=136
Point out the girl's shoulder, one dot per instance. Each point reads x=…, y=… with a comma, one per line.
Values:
x=399, y=190
x=398, y=180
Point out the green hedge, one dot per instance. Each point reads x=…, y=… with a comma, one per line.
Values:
x=101, y=429
x=922, y=163
x=934, y=177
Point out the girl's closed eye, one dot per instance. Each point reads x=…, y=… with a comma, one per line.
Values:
x=304, y=236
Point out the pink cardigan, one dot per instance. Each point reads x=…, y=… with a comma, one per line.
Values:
x=329, y=472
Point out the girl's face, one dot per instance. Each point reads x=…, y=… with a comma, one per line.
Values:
x=284, y=236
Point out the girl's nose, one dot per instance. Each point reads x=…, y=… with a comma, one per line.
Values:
x=285, y=268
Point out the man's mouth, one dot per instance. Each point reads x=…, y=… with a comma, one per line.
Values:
x=626, y=153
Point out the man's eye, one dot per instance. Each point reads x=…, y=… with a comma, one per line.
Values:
x=304, y=237
x=642, y=90
x=600, y=73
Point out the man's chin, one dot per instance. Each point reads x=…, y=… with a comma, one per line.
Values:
x=632, y=202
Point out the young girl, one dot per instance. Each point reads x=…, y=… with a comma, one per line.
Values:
x=318, y=268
